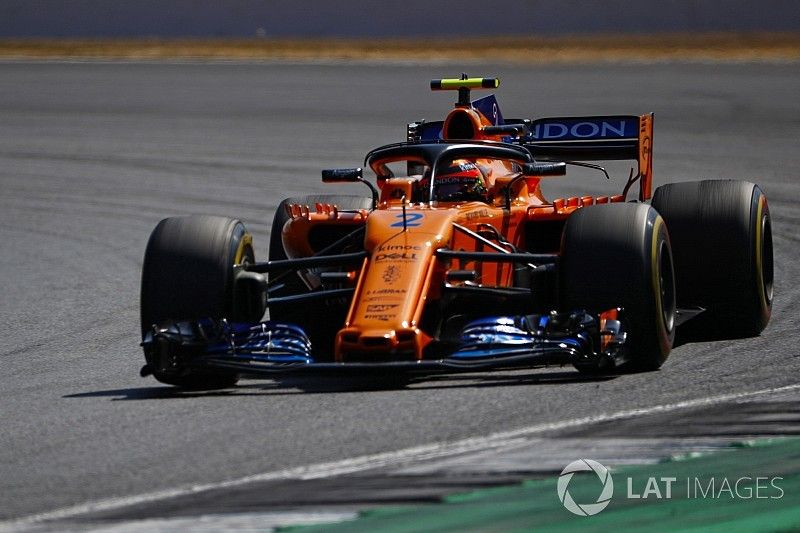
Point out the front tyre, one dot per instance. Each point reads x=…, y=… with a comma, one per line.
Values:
x=619, y=255
x=188, y=275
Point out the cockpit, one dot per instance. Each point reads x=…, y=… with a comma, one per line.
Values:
x=446, y=171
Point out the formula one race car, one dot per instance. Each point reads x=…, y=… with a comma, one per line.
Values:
x=456, y=261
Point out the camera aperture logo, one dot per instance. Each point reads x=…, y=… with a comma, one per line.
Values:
x=606, y=492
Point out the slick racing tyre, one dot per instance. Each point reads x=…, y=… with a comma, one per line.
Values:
x=618, y=255
x=318, y=324
x=721, y=235
x=188, y=275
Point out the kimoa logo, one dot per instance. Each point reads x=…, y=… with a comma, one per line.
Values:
x=585, y=509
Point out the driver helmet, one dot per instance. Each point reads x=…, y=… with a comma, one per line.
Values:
x=462, y=181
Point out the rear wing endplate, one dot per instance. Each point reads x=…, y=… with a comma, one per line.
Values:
x=599, y=138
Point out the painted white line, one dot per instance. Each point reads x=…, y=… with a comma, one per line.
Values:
x=226, y=522
x=379, y=460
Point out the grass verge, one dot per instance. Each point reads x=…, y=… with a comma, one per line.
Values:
x=576, y=49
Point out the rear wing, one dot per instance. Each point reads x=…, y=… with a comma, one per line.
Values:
x=598, y=138
x=594, y=139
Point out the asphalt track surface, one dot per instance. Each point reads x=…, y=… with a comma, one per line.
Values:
x=93, y=155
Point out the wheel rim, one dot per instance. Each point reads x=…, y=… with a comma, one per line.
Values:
x=767, y=273
x=666, y=286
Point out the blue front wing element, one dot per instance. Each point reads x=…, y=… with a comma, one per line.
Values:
x=492, y=342
x=501, y=336
x=210, y=340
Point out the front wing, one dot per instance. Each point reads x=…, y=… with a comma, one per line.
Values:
x=267, y=348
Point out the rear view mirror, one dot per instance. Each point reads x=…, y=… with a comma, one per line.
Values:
x=505, y=129
x=544, y=169
x=350, y=175
x=342, y=175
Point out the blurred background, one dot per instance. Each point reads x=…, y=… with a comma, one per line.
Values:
x=277, y=19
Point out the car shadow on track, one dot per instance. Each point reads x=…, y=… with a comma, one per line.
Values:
x=330, y=385
x=167, y=392
x=451, y=381
x=252, y=388
x=699, y=330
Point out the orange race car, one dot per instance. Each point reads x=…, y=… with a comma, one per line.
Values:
x=456, y=261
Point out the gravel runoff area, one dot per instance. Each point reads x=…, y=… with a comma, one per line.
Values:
x=521, y=50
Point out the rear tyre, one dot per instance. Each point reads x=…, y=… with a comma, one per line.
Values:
x=318, y=324
x=618, y=255
x=188, y=275
x=722, y=242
